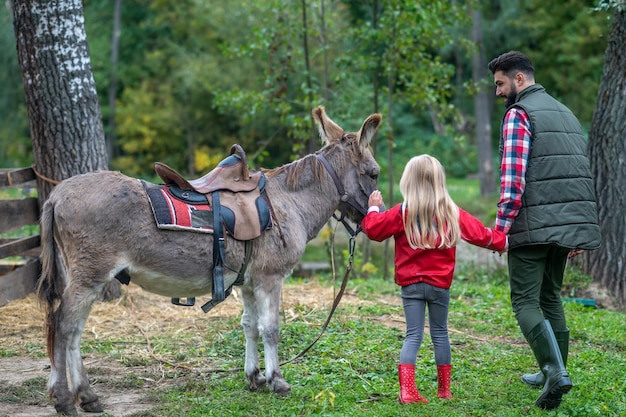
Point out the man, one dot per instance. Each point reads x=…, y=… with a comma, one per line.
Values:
x=547, y=207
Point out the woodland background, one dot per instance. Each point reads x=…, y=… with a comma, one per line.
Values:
x=189, y=78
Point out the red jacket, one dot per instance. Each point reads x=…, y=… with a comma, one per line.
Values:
x=433, y=266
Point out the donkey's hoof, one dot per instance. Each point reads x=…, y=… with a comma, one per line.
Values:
x=280, y=387
x=66, y=410
x=92, y=407
x=256, y=380
x=258, y=383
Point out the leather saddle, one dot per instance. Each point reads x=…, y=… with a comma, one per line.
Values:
x=243, y=203
x=231, y=174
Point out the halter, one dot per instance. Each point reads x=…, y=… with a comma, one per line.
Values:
x=345, y=198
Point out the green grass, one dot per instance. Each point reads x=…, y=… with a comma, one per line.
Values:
x=352, y=369
x=29, y=392
x=466, y=194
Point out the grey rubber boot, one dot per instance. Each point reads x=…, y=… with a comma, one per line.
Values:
x=538, y=380
x=546, y=349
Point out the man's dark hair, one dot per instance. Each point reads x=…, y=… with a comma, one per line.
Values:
x=510, y=63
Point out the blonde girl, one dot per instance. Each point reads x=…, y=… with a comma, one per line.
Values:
x=426, y=228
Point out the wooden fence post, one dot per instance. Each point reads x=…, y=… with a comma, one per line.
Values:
x=19, y=253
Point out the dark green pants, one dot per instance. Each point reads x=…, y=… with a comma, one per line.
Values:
x=536, y=277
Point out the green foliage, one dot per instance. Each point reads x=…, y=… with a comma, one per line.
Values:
x=567, y=64
x=288, y=81
x=15, y=148
x=466, y=194
x=454, y=152
x=575, y=281
x=194, y=77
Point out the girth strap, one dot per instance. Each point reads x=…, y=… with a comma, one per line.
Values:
x=218, y=251
x=206, y=307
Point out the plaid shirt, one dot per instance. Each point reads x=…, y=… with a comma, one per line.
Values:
x=517, y=136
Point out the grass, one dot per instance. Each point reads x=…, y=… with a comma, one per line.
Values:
x=352, y=369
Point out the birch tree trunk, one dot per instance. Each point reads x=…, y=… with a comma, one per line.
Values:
x=482, y=109
x=61, y=100
x=607, y=147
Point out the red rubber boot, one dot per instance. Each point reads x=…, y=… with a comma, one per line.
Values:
x=443, y=379
x=408, y=390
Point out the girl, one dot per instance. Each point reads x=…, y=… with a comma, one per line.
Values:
x=426, y=228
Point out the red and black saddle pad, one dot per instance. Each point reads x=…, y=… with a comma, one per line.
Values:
x=173, y=213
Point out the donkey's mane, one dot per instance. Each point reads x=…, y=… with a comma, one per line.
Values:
x=293, y=171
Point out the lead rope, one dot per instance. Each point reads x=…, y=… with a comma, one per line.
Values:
x=352, y=246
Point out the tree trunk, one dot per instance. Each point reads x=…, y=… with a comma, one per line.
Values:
x=112, y=95
x=607, y=148
x=482, y=109
x=391, y=80
x=61, y=100
x=311, y=144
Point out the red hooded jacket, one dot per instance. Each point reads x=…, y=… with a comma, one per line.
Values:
x=433, y=266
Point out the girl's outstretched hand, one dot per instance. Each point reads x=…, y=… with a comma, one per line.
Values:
x=375, y=199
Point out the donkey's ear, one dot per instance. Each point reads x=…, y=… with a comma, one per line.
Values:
x=329, y=130
x=368, y=130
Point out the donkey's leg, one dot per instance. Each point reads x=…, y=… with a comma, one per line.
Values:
x=268, y=308
x=85, y=395
x=249, y=322
x=57, y=384
x=75, y=316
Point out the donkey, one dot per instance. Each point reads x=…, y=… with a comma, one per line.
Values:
x=100, y=224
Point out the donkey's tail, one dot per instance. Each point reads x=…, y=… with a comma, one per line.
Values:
x=51, y=284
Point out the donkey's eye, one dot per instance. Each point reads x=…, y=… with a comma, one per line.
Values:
x=373, y=174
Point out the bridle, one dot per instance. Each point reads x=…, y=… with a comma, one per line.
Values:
x=346, y=199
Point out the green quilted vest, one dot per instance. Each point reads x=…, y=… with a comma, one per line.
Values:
x=559, y=204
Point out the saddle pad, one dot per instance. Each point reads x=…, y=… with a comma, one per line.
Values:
x=171, y=213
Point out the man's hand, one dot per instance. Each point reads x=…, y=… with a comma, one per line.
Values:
x=574, y=252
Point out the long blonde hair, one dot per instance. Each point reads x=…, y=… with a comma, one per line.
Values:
x=431, y=218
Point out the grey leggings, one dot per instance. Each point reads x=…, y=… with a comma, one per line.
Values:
x=415, y=298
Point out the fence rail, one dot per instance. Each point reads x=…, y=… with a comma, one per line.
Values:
x=19, y=256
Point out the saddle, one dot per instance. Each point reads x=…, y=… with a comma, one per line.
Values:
x=242, y=199
x=232, y=174
x=238, y=201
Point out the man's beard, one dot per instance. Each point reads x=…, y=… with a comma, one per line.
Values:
x=511, y=97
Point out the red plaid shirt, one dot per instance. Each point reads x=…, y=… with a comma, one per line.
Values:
x=517, y=135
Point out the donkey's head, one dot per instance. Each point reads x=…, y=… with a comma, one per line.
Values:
x=356, y=169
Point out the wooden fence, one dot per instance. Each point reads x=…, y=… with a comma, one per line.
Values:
x=19, y=257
